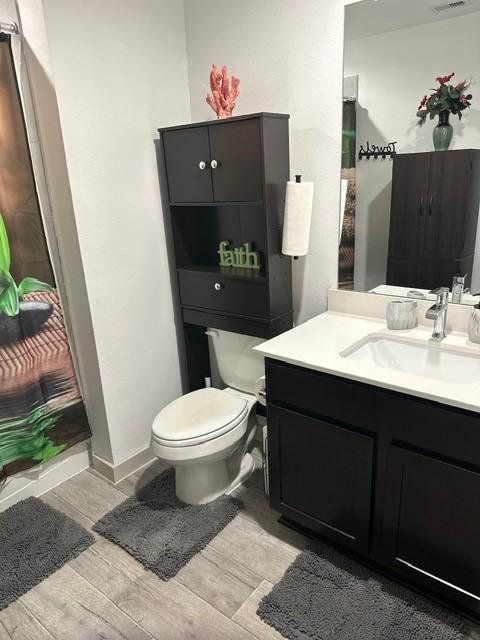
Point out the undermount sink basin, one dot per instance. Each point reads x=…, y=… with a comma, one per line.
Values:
x=429, y=360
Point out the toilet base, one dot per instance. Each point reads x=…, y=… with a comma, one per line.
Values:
x=246, y=470
x=202, y=483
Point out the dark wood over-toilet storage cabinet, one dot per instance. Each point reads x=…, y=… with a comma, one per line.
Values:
x=225, y=180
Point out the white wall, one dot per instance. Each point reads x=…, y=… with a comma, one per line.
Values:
x=289, y=59
x=395, y=70
x=120, y=72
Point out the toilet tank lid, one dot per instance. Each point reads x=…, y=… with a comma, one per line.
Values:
x=198, y=414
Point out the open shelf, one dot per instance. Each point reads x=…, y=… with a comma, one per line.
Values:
x=197, y=233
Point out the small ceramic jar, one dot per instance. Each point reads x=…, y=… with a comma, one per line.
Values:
x=474, y=325
x=402, y=314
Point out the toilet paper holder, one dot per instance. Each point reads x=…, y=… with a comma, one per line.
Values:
x=297, y=217
x=298, y=179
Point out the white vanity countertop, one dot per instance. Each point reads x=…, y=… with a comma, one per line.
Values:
x=317, y=345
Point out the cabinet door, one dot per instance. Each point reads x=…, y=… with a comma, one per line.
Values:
x=433, y=523
x=184, y=150
x=409, y=202
x=446, y=207
x=321, y=476
x=236, y=149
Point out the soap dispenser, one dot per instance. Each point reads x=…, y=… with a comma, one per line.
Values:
x=474, y=324
x=458, y=287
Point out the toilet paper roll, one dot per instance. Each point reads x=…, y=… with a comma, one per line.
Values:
x=298, y=213
x=259, y=390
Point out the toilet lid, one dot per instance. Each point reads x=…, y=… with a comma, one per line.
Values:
x=198, y=416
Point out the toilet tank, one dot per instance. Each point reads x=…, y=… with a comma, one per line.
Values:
x=238, y=365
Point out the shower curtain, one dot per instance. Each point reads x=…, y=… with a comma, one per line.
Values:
x=41, y=410
x=346, y=254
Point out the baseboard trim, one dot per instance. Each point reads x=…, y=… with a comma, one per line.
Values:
x=42, y=478
x=117, y=472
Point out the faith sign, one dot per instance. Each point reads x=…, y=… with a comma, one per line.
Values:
x=242, y=257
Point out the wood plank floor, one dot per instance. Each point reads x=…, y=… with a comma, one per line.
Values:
x=104, y=594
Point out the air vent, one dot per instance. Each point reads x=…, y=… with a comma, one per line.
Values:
x=449, y=6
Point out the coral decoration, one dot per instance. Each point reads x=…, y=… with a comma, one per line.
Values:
x=224, y=92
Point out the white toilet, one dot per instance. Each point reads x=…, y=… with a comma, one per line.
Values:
x=205, y=434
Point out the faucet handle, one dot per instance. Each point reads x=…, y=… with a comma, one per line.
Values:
x=442, y=295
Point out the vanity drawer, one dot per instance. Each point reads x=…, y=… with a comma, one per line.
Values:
x=321, y=394
x=246, y=297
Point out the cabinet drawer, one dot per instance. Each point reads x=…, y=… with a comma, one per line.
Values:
x=211, y=291
x=325, y=395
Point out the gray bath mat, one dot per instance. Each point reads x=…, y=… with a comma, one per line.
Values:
x=35, y=541
x=325, y=595
x=162, y=532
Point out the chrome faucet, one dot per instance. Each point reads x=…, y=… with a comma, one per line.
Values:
x=438, y=313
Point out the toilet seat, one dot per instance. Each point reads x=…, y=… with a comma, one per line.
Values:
x=198, y=417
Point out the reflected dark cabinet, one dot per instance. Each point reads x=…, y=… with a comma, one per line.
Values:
x=433, y=218
x=392, y=478
x=225, y=180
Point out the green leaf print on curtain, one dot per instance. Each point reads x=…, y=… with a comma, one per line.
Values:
x=41, y=409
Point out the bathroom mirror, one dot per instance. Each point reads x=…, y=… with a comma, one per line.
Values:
x=409, y=213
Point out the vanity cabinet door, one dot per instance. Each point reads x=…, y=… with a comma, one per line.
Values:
x=187, y=161
x=432, y=524
x=236, y=157
x=321, y=476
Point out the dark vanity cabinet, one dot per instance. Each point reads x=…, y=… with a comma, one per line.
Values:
x=225, y=180
x=433, y=218
x=392, y=478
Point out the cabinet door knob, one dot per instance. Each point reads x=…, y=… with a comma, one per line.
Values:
x=214, y=164
x=202, y=165
x=218, y=286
